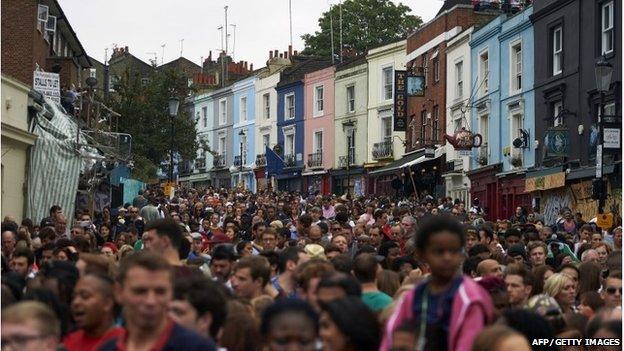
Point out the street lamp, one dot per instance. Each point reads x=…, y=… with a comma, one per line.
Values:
x=603, y=72
x=241, y=134
x=174, y=104
x=349, y=129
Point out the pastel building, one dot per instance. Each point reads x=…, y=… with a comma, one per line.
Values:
x=203, y=106
x=318, y=143
x=503, y=112
x=244, y=133
x=222, y=137
x=350, y=127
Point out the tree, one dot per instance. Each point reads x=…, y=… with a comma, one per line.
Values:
x=365, y=24
x=145, y=116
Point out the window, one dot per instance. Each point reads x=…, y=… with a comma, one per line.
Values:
x=189, y=82
x=222, y=111
x=516, y=125
x=92, y=72
x=425, y=66
x=423, y=125
x=484, y=131
x=266, y=139
x=289, y=106
x=351, y=98
x=205, y=116
x=483, y=72
x=243, y=109
x=459, y=79
x=145, y=81
x=434, y=125
x=222, y=146
x=386, y=128
x=516, y=67
x=318, y=100
x=289, y=145
x=607, y=28
x=243, y=141
x=387, y=82
x=351, y=146
x=557, y=107
x=436, y=70
x=266, y=101
x=457, y=122
x=318, y=142
x=557, y=54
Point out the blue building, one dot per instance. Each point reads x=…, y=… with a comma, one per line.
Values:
x=290, y=105
x=503, y=112
x=243, y=136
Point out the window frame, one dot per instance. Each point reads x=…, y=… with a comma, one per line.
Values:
x=315, y=146
x=557, y=55
x=436, y=70
x=423, y=126
x=484, y=78
x=385, y=84
x=611, y=29
x=435, y=120
x=242, y=107
x=459, y=79
x=222, y=111
x=205, y=116
x=514, y=61
x=319, y=112
x=351, y=99
x=557, y=106
x=384, y=127
x=266, y=101
x=287, y=108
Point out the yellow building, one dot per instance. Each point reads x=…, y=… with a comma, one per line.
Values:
x=16, y=142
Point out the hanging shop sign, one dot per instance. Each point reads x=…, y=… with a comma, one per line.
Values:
x=612, y=138
x=415, y=85
x=546, y=182
x=48, y=84
x=464, y=140
x=400, y=101
x=557, y=142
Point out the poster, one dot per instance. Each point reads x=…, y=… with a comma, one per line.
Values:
x=47, y=84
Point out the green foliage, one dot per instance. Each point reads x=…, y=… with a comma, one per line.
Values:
x=145, y=116
x=365, y=24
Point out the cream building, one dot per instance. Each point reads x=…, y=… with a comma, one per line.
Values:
x=16, y=143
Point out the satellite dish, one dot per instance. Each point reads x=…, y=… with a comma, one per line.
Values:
x=518, y=143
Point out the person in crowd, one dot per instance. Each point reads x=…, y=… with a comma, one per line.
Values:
x=308, y=276
x=562, y=288
x=145, y=291
x=591, y=302
x=365, y=270
x=30, y=326
x=223, y=258
x=284, y=285
x=251, y=275
x=612, y=289
x=537, y=253
x=489, y=268
x=500, y=338
x=338, y=330
x=290, y=324
x=22, y=261
x=519, y=282
x=337, y=286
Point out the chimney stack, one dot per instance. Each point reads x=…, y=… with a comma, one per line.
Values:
x=270, y=54
x=127, y=51
x=281, y=55
x=289, y=50
x=275, y=53
x=210, y=56
x=251, y=67
x=295, y=53
x=285, y=54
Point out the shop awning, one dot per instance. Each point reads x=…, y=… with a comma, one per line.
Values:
x=311, y=173
x=408, y=160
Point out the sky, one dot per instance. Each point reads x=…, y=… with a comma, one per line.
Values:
x=144, y=26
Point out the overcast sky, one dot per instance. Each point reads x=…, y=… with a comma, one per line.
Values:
x=143, y=26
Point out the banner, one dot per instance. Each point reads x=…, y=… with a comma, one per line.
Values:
x=48, y=84
x=400, y=101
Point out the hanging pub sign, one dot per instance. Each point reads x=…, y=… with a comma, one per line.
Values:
x=400, y=101
x=415, y=85
x=464, y=140
x=557, y=141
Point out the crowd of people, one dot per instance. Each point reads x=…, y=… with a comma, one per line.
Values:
x=216, y=269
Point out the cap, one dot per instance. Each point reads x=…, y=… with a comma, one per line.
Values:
x=196, y=236
x=315, y=251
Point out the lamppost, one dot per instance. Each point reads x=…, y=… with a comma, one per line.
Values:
x=603, y=72
x=241, y=134
x=174, y=104
x=349, y=129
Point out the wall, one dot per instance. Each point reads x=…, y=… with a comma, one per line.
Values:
x=205, y=132
x=323, y=122
x=223, y=129
x=263, y=85
x=297, y=88
x=245, y=88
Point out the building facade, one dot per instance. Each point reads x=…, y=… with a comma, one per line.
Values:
x=318, y=129
x=204, y=110
x=350, y=127
x=222, y=137
x=244, y=133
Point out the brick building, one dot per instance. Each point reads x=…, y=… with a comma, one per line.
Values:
x=36, y=34
x=122, y=63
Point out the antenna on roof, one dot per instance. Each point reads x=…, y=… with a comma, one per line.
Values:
x=181, y=46
x=162, y=59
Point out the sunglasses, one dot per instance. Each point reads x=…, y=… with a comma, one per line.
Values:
x=612, y=290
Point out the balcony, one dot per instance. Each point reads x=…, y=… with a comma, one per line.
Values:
x=219, y=161
x=237, y=161
x=482, y=157
x=184, y=168
x=383, y=150
x=315, y=160
x=342, y=161
x=290, y=161
x=261, y=160
x=200, y=164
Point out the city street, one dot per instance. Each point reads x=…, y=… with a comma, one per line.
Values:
x=338, y=175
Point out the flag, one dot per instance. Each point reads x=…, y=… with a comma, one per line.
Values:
x=275, y=164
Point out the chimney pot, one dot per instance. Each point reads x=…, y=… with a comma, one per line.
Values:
x=295, y=53
x=127, y=50
x=289, y=50
x=251, y=67
x=270, y=54
x=285, y=54
x=275, y=53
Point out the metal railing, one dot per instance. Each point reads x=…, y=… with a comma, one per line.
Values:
x=237, y=160
x=200, y=164
x=261, y=160
x=315, y=160
x=290, y=161
x=383, y=150
x=342, y=161
x=219, y=161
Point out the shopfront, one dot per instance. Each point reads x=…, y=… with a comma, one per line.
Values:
x=511, y=187
x=484, y=186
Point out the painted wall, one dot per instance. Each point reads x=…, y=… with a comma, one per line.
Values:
x=205, y=128
x=224, y=129
x=356, y=76
x=245, y=88
x=265, y=84
x=391, y=55
x=296, y=123
x=319, y=121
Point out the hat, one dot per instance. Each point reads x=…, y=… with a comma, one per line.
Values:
x=544, y=305
x=315, y=251
x=516, y=250
x=196, y=236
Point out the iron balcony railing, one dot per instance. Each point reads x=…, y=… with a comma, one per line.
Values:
x=383, y=150
x=290, y=161
x=342, y=161
x=200, y=164
x=237, y=160
x=261, y=160
x=219, y=161
x=315, y=160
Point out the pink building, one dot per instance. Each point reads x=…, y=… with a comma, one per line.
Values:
x=318, y=125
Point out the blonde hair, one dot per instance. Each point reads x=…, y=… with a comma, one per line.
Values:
x=22, y=312
x=555, y=284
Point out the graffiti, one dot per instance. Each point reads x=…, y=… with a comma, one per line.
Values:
x=553, y=202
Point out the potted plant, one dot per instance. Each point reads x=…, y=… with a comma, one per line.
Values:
x=516, y=161
x=482, y=160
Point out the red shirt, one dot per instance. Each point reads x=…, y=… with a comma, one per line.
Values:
x=79, y=341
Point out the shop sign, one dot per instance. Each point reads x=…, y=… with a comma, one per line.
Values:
x=400, y=101
x=415, y=85
x=557, y=142
x=604, y=220
x=550, y=181
x=582, y=190
x=48, y=84
x=611, y=138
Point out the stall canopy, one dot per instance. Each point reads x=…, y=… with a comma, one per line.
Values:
x=408, y=161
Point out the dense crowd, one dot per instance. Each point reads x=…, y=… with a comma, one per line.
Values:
x=230, y=270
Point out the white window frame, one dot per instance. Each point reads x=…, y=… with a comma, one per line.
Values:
x=266, y=141
x=516, y=121
x=288, y=145
x=319, y=101
x=351, y=99
x=205, y=116
x=316, y=148
x=607, y=32
x=557, y=108
x=557, y=53
x=266, y=100
x=222, y=111
x=515, y=67
x=382, y=127
x=435, y=123
x=384, y=84
x=287, y=108
x=484, y=69
x=222, y=146
x=242, y=111
x=459, y=79
x=484, y=129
